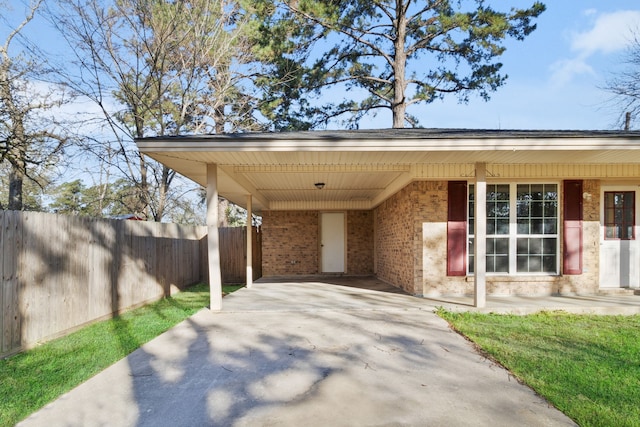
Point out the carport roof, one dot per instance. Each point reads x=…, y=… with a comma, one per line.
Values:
x=361, y=168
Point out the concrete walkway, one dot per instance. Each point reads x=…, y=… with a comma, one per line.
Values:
x=305, y=354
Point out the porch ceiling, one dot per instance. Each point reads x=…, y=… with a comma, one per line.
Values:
x=362, y=168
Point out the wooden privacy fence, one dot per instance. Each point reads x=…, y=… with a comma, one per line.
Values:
x=60, y=272
x=233, y=254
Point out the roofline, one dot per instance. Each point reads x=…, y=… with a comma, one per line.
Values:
x=404, y=140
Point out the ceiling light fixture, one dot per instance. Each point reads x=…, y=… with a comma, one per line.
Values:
x=319, y=185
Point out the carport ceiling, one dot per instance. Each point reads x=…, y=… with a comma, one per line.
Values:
x=361, y=168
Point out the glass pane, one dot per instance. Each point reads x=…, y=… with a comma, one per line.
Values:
x=537, y=191
x=550, y=226
x=523, y=226
x=537, y=210
x=471, y=254
x=502, y=226
x=549, y=263
x=503, y=192
x=502, y=264
x=522, y=246
x=502, y=246
x=551, y=210
x=502, y=209
x=491, y=226
x=523, y=208
x=535, y=264
x=522, y=264
x=549, y=247
x=535, y=246
x=536, y=226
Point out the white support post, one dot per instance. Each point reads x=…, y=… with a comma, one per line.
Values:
x=480, y=227
x=249, y=242
x=213, y=239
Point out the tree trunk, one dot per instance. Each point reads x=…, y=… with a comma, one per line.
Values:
x=399, y=105
x=162, y=197
x=16, y=177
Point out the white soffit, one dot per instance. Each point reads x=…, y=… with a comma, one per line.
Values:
x=362, y=168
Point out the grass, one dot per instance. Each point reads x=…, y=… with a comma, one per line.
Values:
x=587, y=366
x=36, y=377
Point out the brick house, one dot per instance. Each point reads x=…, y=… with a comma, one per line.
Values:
x=558, y=214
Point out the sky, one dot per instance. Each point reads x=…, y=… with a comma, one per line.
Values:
x=555, y=74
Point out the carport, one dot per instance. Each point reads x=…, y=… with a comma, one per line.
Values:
x=417, y=171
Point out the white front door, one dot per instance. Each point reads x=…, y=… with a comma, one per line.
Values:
x=619, y=254
x=332, y=242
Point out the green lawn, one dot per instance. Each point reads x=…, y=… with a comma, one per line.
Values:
x=587, y=366
x=34, y=378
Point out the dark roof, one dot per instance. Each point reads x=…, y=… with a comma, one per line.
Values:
x=432, y=133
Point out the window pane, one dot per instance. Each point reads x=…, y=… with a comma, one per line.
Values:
x=535, y=246
x=491, y=226
x=536, y=226
x=523, y=226
x=502, y=226
x=536, y=210
x=522, y=264
x=537, y=255
x=471, y=253
x=535, y=264
x=549, y=263
x=550, y=226
x=502, y=264
x=551, y=209
x=502, y=246
x=497, y=255
x=549, y=246
x=619, y=215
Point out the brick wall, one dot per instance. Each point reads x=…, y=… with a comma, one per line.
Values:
x=394, y=239
x=360, y=242
x=410, y=245
x=290, y=243
x=431, y=244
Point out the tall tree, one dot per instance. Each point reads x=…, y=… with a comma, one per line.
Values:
x=157, y=68
x=30, y=138
x=624, y=85
x=397, y=52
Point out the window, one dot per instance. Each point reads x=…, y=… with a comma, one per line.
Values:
x=522, y=228
x=619, y=215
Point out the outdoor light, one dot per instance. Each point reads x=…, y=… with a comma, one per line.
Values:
x=319, y=185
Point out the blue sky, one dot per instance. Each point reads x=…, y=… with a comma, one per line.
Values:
x=555, y=74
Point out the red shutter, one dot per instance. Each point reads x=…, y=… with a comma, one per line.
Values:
x=572, y=229
x=457, y=229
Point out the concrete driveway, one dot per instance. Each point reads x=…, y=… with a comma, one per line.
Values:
x=305, y=354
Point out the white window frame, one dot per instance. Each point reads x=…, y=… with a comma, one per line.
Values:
x=513, y=230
